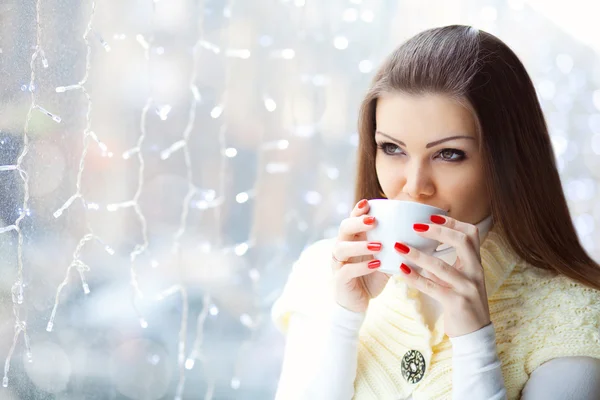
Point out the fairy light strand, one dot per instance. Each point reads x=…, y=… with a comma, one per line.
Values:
x=88, y=135
x=75, y=263
x=134, y=203
x=266, y=146
x=239, y=249
x=215, y=204
x=140, y=248
x=17, y=288
x=183, y=144
x=208, y=202
x=87, y=131
x=196, y=353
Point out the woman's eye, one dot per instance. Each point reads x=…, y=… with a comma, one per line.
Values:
x=389, y=148
x=452, y=155
x=449, y=155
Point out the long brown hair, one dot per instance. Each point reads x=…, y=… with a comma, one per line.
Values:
x=527, y=199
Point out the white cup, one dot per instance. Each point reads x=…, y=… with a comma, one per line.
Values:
x=394, y=223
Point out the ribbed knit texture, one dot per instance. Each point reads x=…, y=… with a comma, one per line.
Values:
x=537, y=314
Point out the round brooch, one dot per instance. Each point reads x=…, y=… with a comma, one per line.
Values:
x=413, y=366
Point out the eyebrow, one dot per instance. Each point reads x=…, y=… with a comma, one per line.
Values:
x=428, y=145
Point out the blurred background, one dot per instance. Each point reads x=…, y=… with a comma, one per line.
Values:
x=164, y=162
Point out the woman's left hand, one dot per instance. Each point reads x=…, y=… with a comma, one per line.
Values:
x=460, y=288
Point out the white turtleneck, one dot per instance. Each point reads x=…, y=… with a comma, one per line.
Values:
x=329, y=373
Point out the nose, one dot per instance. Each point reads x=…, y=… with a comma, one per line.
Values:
x=417, y=181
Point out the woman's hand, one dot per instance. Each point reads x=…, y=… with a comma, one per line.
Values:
x=462, y=291
x=356, y=279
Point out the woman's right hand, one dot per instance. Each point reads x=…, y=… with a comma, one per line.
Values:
x=354, y=261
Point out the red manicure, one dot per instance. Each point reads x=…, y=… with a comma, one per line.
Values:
x=420, y=227
x=436, y=219
x=405, y=268
x=374, y=264
x=402, y=248
x=362, y=203
x=369, y=220
x=374, y=246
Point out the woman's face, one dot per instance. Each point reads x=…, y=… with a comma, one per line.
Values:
x=428, y=152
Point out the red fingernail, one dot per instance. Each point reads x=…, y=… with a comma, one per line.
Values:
x=374, y=264
x=362, y=203
x=436, y=219
x=369, y=220
x=374, y=246
x=420, y=227
x=405, y=268
x=402, y=248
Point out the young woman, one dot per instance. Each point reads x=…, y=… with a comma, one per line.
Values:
x=451, y=120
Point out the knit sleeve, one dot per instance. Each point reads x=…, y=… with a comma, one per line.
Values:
x=308, y=287
x=547, y=316
x=568, y=314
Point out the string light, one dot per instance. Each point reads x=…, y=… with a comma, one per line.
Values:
x=196, y=352
x=127, y=155
x=238, y=53
x=277, y=168
x=163, y=111
x=216, y=112
x=105, y=45
x=62, y=89
x=54, y=117
x=9, y=228
x=210, y=200
x=183, y=144
x=142, y=41
x=81, y=268
x=230, y=152
x=281, y=144
x=139, y=248
x=17, y=287
x=270, y=104
x=103, y=147
x=44, y=60
x=88, y=134
x=286, y=54
x=209, y=46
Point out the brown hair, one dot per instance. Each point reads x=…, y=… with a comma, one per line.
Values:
x=527, y=200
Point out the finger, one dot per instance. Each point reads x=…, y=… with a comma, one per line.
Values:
x=457, y=239
x=470, y=230
x=425, y=285
x=355, y=225
x=356, y=270
x=444, y=272
x=345, y=250
x=336, y=263
x=361, y=208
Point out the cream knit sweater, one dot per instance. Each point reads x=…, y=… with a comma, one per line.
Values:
x=537, y=315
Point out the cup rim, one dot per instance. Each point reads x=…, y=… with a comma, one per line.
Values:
x=411, y=202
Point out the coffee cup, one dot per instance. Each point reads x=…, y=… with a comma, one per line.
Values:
x=394, y=223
